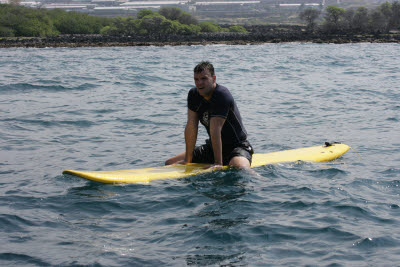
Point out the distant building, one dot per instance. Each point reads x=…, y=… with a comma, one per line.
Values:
x=29, y=3
x=114, y=11
x=224, y=8
x=200, y=8
x=299, y=5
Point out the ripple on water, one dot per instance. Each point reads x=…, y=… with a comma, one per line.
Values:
x=28, y=87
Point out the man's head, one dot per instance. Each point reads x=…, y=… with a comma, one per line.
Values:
x=204, y=65
x=205, y=79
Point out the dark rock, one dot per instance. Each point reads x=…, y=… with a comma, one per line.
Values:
x=256, y=34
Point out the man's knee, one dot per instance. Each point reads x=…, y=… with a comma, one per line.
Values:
x=239, y=162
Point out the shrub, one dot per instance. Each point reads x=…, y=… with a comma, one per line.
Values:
x=237, y=29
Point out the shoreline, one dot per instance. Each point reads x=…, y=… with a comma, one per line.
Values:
x=72, y=41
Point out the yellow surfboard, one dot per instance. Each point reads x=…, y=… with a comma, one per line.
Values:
x=317, y=153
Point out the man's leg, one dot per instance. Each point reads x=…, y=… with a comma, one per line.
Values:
x=201, y=154
x=178, y=158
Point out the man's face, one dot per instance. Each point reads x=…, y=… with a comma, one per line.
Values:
x=205, y=83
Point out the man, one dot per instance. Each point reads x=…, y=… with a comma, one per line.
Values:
x=213, y=105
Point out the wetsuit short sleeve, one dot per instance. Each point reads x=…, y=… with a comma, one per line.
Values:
x=221, y=103
x=193, y=100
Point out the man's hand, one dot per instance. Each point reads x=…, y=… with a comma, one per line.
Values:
x=214, y=167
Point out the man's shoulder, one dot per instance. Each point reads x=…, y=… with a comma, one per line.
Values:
x=221, y=88
x=222, y=92
x=193, y=93
x=193, y=99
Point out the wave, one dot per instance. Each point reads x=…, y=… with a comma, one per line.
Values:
x=28, y=87
x=14, y=223
x=358, y=212
x=368, y=243
x=328, y=173
x=391, y=172
x=50, y=123
x=22, y=258
x=142, y=121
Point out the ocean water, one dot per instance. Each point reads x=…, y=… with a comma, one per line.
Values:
x=123, y=108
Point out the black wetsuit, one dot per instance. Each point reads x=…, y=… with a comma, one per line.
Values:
x=233, y=133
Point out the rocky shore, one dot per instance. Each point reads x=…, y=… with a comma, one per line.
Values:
x=256, y=35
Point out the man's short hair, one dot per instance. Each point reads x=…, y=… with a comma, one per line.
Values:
x=204, y=65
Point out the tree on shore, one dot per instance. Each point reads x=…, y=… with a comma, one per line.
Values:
x=174, y=13
x=334, y=19
x=384, y=18
x=22, y=21
x=171, y=13
x=237, y=28
x=175, y=21
x=210, y=27
x=377, y=22
x=77, y=23
x=395, y=18
x=146, y=12
x=310, y=15
x=148, y=22
x=187, y=19
x=348, y=17
x=361, y=20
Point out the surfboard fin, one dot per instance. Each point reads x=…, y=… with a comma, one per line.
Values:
x=328, y=144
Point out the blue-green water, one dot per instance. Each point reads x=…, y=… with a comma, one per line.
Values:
x=122, y=108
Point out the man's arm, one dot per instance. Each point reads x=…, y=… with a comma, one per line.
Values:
x=191, y=130
x=216, y=124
